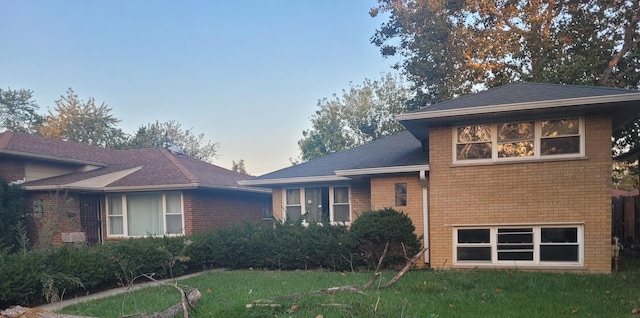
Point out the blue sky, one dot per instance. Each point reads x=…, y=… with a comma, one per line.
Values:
x=247, y=74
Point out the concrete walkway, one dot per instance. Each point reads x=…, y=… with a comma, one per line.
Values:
x=111, y=292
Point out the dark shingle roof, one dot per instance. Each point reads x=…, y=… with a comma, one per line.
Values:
x=401, y=149
x=516, y=93
x=134, y=168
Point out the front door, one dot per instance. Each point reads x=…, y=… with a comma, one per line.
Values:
x=90, y=217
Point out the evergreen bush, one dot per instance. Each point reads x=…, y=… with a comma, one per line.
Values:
x=371, y=231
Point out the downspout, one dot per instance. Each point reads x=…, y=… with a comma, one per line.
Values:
x=425, y=212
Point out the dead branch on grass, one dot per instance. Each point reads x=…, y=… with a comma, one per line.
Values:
x=377, y=273
x=406, y=268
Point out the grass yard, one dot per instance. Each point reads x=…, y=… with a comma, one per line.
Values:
x=420, y=293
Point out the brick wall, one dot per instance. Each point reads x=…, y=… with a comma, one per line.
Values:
x=534, y=192
x=61, y=213
x=11, y=169
x=206, y=210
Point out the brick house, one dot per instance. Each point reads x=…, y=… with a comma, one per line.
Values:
x=101, y=194
x=514, y=176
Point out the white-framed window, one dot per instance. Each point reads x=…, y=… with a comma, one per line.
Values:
x=521, y=245
x=148, y=213
x=519, y=140
x=318, y=204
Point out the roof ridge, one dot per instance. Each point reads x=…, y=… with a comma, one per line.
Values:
x=192, y=178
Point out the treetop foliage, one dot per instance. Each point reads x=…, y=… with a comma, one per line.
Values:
x=18, y=110
x=362, y=113
x=73, y=119
x=82, y=121
x=452, y=47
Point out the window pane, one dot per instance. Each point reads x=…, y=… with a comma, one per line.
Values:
x=515, y=238
x=341, y=213
x=115, y=205
x=518, y=131
x=474, y=236
x=294, y=213
x=473, y=151
x=515, y=149
x=316, y=204
x=341, y=195
x=174, y=224
x=563, y=127
x=401, y=194
x=559, y=253
x=115, y=225
x=293, y=196
x=474, y=253
x=174, y=202
x=144, y=214
x=557, y=146
x=559, y=235
x=474, y=134
x=515, y=256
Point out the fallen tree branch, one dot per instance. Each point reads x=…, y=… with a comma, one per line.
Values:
x=21, y=312
x=406, y=268
x=377, y=272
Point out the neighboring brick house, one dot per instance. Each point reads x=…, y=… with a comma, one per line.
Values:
x=117, y=194
x=514, y=176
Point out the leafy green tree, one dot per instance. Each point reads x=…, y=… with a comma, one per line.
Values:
x=18, y=111
x=12, y=211
x=361, y=114
x=171, y=133
x=453, y=47
x=84, y=122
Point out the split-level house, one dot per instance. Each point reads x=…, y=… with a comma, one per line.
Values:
x=98, y=194
x=515, y=176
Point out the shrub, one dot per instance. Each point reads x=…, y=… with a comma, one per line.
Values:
x=158, y=255
x=12, y=211
x=371, y=231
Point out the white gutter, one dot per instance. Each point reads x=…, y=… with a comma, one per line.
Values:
x=292, y=180
x=381, y=170
x=425, y=213
x=520, y=106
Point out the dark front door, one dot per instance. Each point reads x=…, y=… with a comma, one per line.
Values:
x=90, y=217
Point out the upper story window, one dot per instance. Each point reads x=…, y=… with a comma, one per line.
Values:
x=519, y=140
x=318, y=204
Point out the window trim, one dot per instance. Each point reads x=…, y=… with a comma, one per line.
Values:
x=536, y=262
x=537, y=143
x=124, y=215
x=303, y=203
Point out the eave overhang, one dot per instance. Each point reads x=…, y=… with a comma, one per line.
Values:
x=381, y=170
x=268, y=183
x=622, y=107
x=143, y=188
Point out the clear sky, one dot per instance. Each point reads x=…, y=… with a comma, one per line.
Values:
x=247, y=74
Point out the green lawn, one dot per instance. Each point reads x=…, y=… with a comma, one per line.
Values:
x=420, y=293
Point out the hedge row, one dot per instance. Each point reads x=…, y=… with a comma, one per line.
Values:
x=31, y=278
